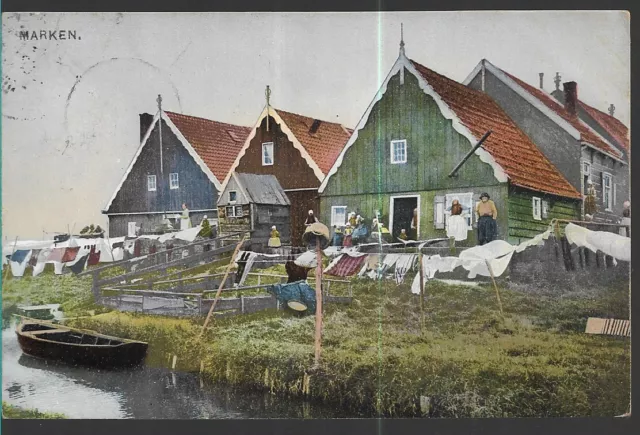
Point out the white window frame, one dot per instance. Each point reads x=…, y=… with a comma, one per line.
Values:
x=236, y=193
x=334, y=215
x=536, y=205
x=466, y=199
x=392, y=148
x=233, y=210
x=607, y=195
x=173, y=185
x=151, y=186
x=267, y=145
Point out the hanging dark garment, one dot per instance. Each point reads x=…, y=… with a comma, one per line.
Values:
x=78, y=266
x=566, y=254
x=94, y=257
x=487, y=230
x=19, y=255
x=70, y=254
x=295, y=272
x=242, y=263
x=34, y=257
x=137, y=248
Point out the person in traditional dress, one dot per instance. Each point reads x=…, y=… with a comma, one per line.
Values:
x=626, y=219
x=590, y=206
x=384, y=233
x=311, y=219
x=403, y=234
x=414, y=225
x=274, y=238
x=337, y=236
x=185, y=221
x=347, y=236
x=456, y=224
x=360, y=231
x=353, y=220
x=487, y=212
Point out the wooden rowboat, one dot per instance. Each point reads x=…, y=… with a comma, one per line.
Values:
x=78, y=346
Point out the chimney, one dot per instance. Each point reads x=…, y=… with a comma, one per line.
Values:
x=541, y=80
x=145, y=122
x=315, y=126
x=612, y=109
x=571, y=97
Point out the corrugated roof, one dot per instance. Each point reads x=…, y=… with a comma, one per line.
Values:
x=324, y=146
x=263, y=189
x=217, y=143
x=586, y=134
x=613, y=126
x=518, y=156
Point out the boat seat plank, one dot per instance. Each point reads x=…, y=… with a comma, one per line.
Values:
x=47, y=331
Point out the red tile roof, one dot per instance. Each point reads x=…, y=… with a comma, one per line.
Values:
x=586, y=134
x=522, y=161
x=324, y=146
x=217, y=143
x=613, y=126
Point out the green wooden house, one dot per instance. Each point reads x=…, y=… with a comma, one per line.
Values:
x=418, y=128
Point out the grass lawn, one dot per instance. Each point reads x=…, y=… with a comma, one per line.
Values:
x=10, y=411
x=376, y=358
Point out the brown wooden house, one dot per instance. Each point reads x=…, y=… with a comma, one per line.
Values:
x=299, y=151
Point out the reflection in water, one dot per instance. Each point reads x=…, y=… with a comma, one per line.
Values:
x=141, y=393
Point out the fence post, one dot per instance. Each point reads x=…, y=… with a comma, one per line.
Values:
x=241, y=304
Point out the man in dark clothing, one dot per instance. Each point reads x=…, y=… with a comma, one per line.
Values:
x=487, y=212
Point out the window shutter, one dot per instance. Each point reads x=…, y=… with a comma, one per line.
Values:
x=474, y=204
x=438, y=212
x=614, y=196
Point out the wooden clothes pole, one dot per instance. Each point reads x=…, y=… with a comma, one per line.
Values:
x=318, y=301
x=421, y=291
x=495, y=286
x=224, y=280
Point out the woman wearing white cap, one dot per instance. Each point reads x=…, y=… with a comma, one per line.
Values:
x=311, y=219
x=274, y=238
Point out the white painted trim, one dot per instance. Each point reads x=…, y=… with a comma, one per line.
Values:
x=243, y=189
x=184, y=142
x=345, y=215
x=449, y=114
x=155, y=182
x=270, y=111
x=158, y=212
x=473, y=74
x=605, y=141
x=535, y=199
x=192, y=151
x=391, y=144
x=272, y=154
x=391, y=204
x=171, y=187
x=143, y=142
x=607, y=174
x=500, y=75
x=301, y=189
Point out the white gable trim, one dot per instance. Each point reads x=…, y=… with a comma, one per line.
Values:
x=605, y=141
x=566, y=126
x=192, y=151
x=285, y=129
x=404, y=62
x=184, y=142
x=143, y=142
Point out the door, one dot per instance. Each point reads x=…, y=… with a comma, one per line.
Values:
x=402, y=215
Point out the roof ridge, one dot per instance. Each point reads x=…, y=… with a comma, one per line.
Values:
x=306, y=116
x=454, y=82
x=206, y=119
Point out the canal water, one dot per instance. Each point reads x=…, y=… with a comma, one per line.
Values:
x=140, y=393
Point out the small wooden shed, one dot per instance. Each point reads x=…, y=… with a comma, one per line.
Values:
x=256, y=203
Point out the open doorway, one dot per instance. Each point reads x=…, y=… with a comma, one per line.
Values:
x=401, y=214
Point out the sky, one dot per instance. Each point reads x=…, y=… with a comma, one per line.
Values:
x=70, y=124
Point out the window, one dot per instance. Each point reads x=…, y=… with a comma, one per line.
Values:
x=398, y=151
x=465, y=200
x=339, y=215
x=586, y=176
x=233, y=195
x=151, y=183
x=607, y=191
x=131, y=229
x=267, y=154
x=537, y=208
x=545, y=209
x=234, y=211
x=173, y=180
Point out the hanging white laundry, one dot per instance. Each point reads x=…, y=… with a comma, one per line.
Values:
x=403, y=265
x=188, y=235
x=498, y=253
x=578, y=236
x=247, y=267
x=17, y=269
x=615, y=245
x=309, y=260
x=536, y=241
x=57, y=267
x=457, y=227
x=41, y=261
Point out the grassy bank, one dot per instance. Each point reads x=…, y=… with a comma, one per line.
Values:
x=537, y=362
x=10, y=411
